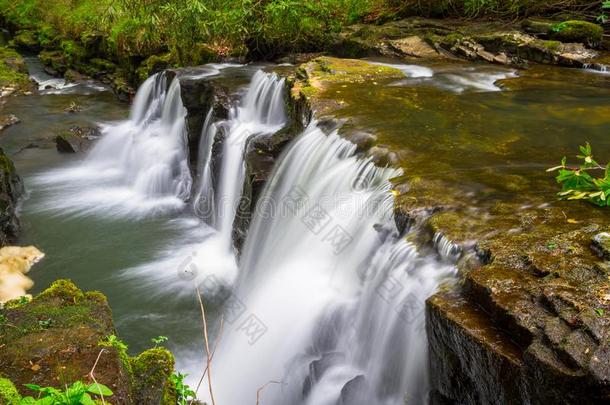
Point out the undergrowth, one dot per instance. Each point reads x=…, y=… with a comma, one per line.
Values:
x=191, y=30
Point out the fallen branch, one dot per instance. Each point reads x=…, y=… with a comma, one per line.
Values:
x=258, y=391
x=207, y=346
x=213, y=353
x=93, y=376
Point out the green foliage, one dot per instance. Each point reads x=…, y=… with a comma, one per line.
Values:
x=8, y=393
x=159, y=340
x=184, y=393
x=603, y=15
x=577, y=182
x=113, y=341
x=76, y=394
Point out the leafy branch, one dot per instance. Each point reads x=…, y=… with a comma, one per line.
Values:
x=577, y=182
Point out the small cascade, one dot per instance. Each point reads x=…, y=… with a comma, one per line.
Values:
x=324, y=276
x=139, y=167
x=260, y=113
x=596, y=68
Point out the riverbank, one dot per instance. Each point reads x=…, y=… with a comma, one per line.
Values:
x=122, y=44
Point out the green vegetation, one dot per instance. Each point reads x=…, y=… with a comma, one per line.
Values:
x=12, y=69
x=578, y=184
x=184, y=393
x=8, y=393
x=76, y=394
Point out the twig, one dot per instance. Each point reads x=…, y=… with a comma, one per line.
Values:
x=213, y=353
x=258, y=391
x=93, y=377
x=207, y=345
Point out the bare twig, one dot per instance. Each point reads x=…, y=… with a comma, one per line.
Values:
x=213, y=353
x=93, y=376
x=207, y=346
x=258, y=391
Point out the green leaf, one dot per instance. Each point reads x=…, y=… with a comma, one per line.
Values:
x=99, y=389
x=33, y=387
x=86, y=400
x=28, y=401
x=600, y=311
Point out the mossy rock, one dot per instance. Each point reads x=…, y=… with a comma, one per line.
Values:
x=73, y=52
x=13, y=70
x=152, y=65
x=48, y=37
x=27, y=40
x=54, y=59
x=152, y=370
x=53, y=340
x=8, y=393
x=578, y=31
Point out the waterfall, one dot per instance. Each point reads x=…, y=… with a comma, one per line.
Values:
x=139, y=166
x=331, y=298
x=260, y=113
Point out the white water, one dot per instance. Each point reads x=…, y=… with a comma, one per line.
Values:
x=457, y=79
x=260, y=113
x=316, y=314
x=138, y=167
x=209, y=251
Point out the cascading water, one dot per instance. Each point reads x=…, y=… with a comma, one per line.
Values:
x=323, y=280
x=260, y=113
x=138, y=167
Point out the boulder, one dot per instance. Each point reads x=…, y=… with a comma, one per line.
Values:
x=57, y=337
x=582, y=32
x=26, y=40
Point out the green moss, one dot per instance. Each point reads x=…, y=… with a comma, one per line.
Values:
x=153, y=65
x=578, y=31
x=27, y=40
x=64, y=289
x=151, y=372
x=13, y=72
x=8, y=393
x=73, y=52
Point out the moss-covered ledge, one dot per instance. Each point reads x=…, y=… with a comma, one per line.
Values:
x=55, y=339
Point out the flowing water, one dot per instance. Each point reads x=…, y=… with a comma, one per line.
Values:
x=325, y=305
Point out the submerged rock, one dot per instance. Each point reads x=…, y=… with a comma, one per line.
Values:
x=76, y=139
x=8, y=120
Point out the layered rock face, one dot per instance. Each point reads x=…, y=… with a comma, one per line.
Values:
x=11, y=188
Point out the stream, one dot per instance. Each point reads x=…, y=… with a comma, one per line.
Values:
x=324, y=304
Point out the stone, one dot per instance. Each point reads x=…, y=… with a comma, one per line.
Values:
x=577, y=31
x=383, y=156
x=414, y=46
x=76, y=139
x=601, y=245
x=8, y=120
x=66, y=329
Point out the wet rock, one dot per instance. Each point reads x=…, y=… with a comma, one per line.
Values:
x=351, y=392
x=76, y=139
x=121, y=87
x=601, y=245
x=152, y=65
x=54, y=61
x=363, y=140
x=11, y=189
x=383, y=156
x=8, y=120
